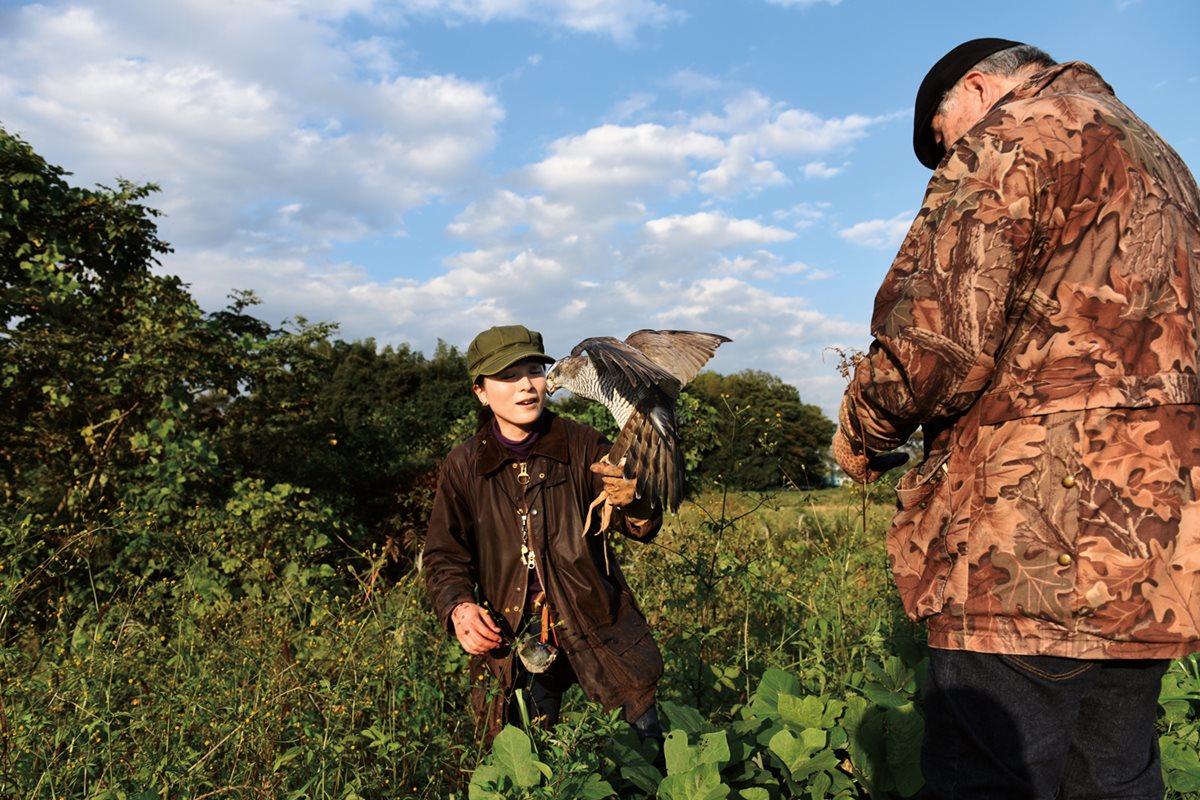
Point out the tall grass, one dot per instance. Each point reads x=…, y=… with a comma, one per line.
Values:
x=205, y=668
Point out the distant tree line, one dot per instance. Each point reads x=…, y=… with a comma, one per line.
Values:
x=117, y=391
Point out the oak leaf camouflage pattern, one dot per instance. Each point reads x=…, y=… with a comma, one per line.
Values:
x=1040, y=324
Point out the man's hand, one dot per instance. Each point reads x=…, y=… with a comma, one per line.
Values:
x=860, y=467
x=477, y=632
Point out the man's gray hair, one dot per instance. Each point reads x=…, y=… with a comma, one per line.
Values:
x=1006, y=62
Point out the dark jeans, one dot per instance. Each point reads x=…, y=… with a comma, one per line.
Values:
x=999, y=726
x=546, y=691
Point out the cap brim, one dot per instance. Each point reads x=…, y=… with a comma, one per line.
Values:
x=503, y=360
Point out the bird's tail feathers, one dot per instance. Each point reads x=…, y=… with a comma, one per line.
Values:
x=649, y=443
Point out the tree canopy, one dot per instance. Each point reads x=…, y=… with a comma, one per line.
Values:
x=769, y=439
x=118, y=388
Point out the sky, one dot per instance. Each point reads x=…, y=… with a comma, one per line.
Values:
x=419, y=170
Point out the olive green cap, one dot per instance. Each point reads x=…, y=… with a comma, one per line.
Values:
x=502, y=346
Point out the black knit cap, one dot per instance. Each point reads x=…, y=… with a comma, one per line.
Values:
x=939, y=80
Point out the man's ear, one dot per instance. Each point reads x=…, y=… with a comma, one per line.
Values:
x=987, y=88
x=976, y=86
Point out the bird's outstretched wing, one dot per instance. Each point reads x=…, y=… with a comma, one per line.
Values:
x=632, y=372
x=649, y=369
x=681, y=353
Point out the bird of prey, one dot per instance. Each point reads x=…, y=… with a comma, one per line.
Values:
x=638, y=381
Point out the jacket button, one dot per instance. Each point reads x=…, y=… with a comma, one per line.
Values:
x=1068, y=481
x=534, y=512
x=1064, y=560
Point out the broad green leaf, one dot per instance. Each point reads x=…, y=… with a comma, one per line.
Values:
x=643, y=776
x=703, y=782
x=809, y=711
x=512, y=753
x=904, y=728
x=596, y=789
x=819, y=785
x=486, y=783
x=803, y=754
x=774, y=683
x=713, y=748
x=678, y=755
x=1181, y=764
x=684, y=718
x=882, y=696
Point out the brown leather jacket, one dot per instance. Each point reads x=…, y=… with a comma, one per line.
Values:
x=473, y=553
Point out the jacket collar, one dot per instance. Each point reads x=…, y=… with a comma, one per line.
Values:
x=552, y=444
x=1069, y=78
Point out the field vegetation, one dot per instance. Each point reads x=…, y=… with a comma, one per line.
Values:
x=208, y=548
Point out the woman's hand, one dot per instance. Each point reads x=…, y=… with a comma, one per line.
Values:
x=621, y=490
x=477, y=632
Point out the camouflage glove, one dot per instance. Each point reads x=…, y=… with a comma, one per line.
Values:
x=860, y=467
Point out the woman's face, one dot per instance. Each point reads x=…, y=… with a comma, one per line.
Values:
x=516, y=395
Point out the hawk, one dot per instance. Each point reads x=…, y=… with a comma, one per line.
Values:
x=638, y=381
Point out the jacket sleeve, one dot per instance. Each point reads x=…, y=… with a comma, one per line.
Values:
x=448, y=557
x=941, y=314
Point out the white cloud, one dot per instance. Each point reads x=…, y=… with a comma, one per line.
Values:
x=711, y=231
x=764, y=265
x=739, y=171
x=746, y=111
x=773, y=129
x=229, y=132
x=278, y=138
x=819, y=169
x=879, y=233
x=728, y=154
x=803, y=215
x=612, y=161
x=632, y=105
x=799, y=132
x=505, y=211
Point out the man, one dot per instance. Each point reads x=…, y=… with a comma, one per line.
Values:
x=1040, y=325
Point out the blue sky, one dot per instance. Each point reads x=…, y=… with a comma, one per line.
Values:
x=418, y=170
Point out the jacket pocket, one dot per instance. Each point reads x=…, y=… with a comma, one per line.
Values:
x=636, y=666
x=626, y=649
x=920, y=555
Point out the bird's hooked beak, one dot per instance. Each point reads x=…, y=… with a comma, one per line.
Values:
x=551, y=384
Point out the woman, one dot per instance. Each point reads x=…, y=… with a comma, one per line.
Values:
x=506, y=567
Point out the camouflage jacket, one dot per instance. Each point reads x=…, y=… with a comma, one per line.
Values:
x=1040, y=325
